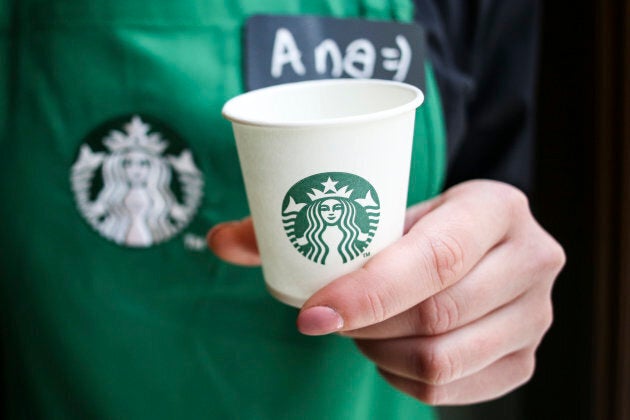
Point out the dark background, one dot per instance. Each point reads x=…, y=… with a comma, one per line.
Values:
x=563, y=201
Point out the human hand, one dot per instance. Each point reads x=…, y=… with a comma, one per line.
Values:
x=454, y=311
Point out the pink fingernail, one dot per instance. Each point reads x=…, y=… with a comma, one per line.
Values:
x=319, y=320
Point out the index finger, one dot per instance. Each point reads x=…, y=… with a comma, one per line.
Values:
x=438, y=250
x=235, y=242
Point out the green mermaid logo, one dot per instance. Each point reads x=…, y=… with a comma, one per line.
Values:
x=331, y=217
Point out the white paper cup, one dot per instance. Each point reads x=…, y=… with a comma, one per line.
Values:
x=326, y=170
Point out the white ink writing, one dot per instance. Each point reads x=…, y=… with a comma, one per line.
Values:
x=398, y=60
x=285, y=51
x=359, y=60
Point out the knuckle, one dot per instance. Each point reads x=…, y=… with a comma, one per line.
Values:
x=511, y=198
x=374, y=304
x=540, y=316
x=525, y=367
x=555, y=256
x=545, y=317
x=434, y=366
x=438, y=314
x=370, y=303
x=446, y=256
x=516, y=199
x=545, y=255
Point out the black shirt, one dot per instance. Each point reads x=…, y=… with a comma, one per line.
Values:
x=485, y=58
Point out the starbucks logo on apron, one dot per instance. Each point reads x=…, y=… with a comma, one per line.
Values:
x=331, y=217
x=136, y=182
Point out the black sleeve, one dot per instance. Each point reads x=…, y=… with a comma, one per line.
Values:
x=485, y=57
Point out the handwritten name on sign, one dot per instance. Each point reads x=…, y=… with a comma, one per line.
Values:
x=358, y=60
x=281, y=49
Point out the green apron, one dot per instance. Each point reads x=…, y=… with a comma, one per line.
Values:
x=94, y=328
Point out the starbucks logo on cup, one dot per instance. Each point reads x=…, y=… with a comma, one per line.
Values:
x=331, y=217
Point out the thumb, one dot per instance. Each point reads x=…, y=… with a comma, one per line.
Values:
x=235, y=242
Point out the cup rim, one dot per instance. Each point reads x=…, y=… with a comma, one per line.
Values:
x=231, y=113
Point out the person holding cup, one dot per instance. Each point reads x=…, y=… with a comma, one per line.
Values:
x=106, y=314
x=452, y=312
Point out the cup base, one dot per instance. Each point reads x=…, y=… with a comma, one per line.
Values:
x=294, y=301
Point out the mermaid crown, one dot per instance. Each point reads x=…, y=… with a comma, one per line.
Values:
x=136, y=136
x=329, y=191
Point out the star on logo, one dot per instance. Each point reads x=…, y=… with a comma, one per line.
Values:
x=293, y=207
x=88, y=159
x=368, y=201
x=184, y=163
x=329, y=185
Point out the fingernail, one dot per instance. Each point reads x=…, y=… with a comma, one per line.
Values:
x=319, y=320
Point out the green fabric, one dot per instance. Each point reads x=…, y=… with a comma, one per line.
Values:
x=98, y=330
x=5, y=29
x=429, y=157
